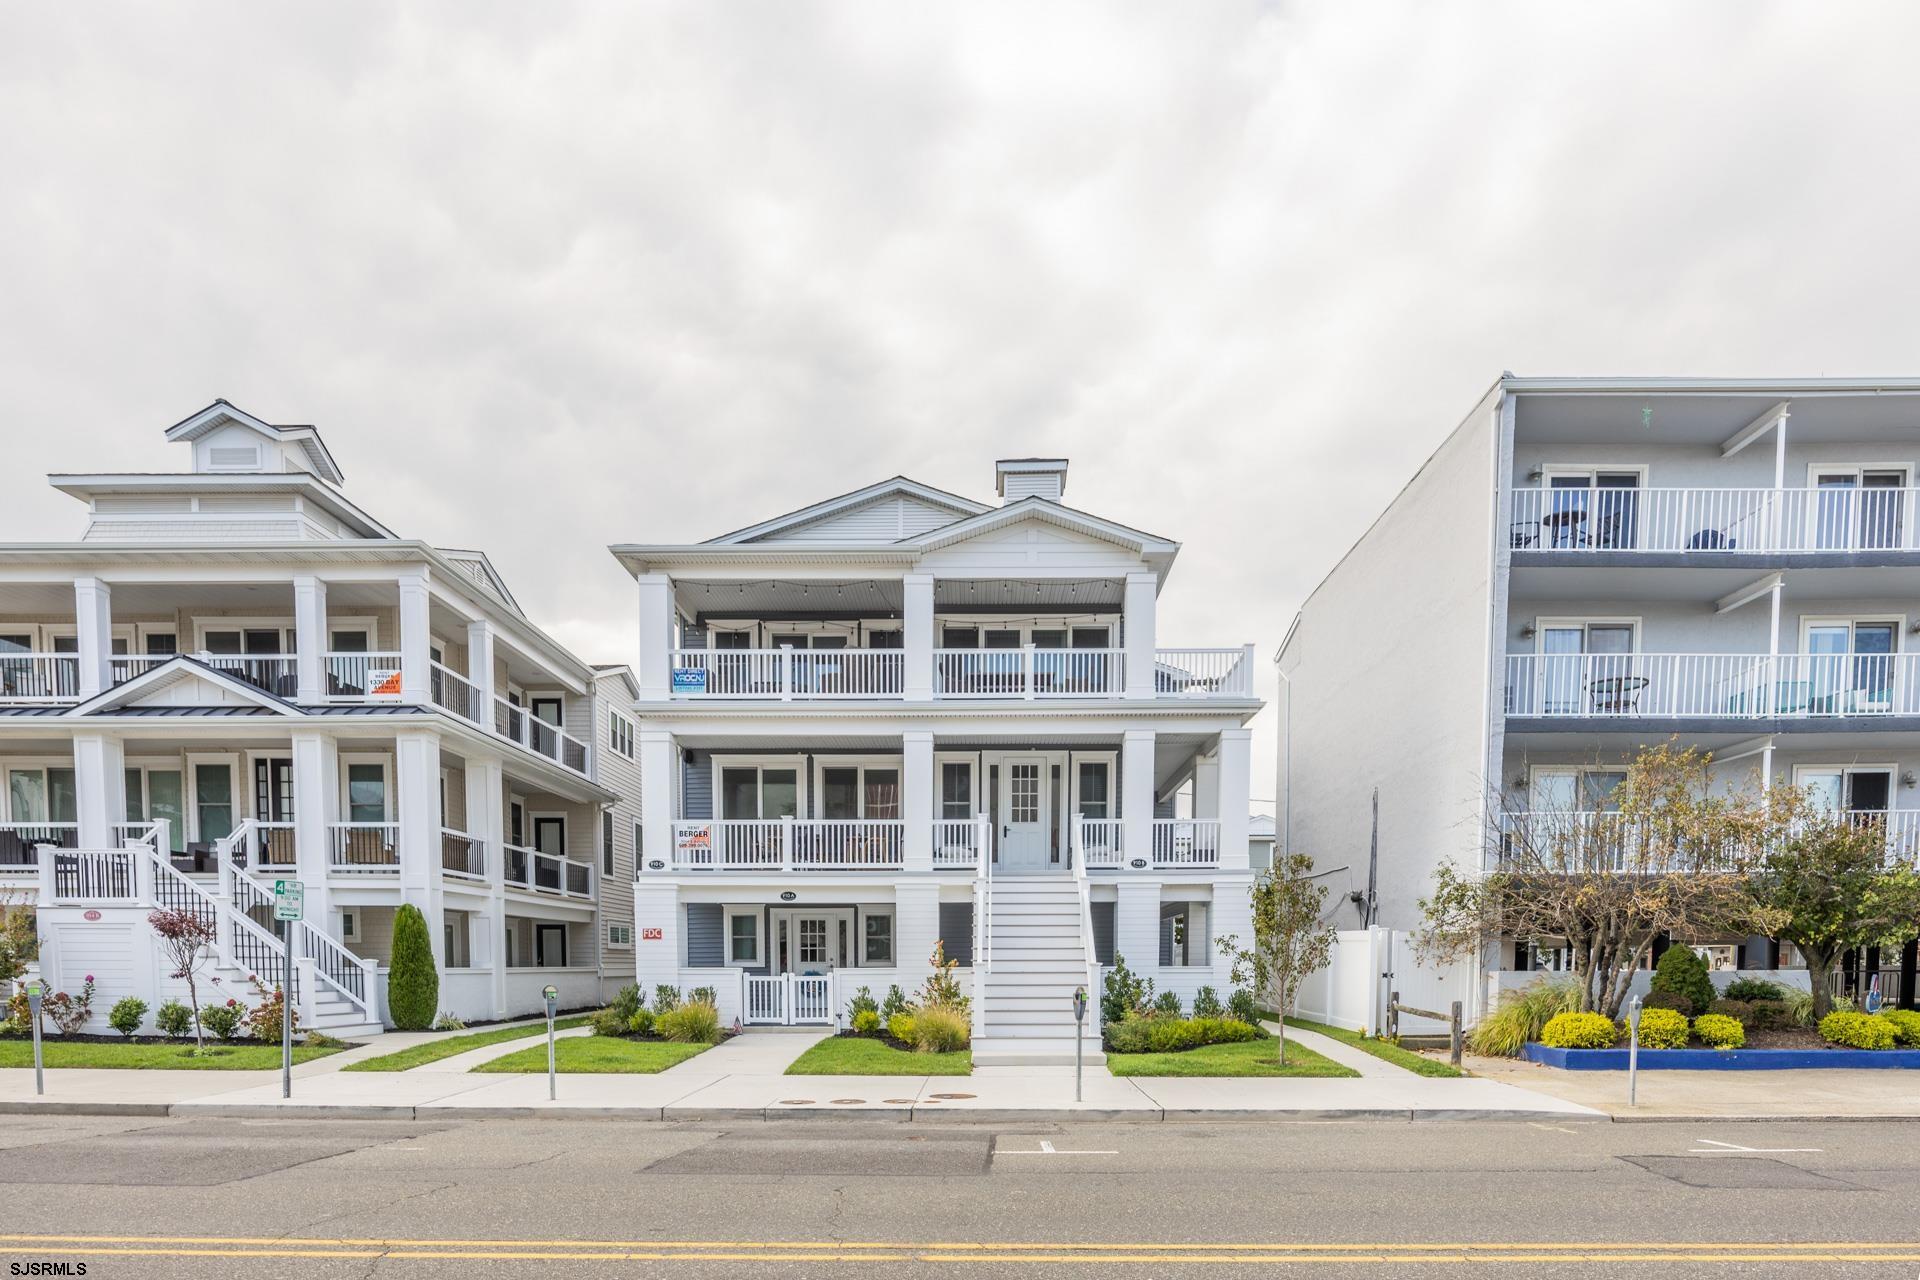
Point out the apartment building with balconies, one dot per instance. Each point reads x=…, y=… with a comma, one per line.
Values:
x=236, y=675
x=901, y=717
x=1590, y=565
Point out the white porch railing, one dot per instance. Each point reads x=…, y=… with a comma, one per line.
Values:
x=39, y=677
x=18, y=839
x=788, y=673
x=547, y=872
x=1102, y=842
x=1793, y=521
x=361, y=677
x=517, y=724
x=1029, y=673
x=263, y=844
x=363, y=848
x=316, y=952
x=125, y=666
x=1204, y=673
x=1627, y=685
x=957, y=842
x=789, y=844
x=1186, y=842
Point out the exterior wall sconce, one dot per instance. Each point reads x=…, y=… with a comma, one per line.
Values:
x=1536, y=473
x=1907, y=779
x=1527, y=632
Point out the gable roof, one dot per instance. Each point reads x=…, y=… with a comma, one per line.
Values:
x=897, y=486
x=477, y=566
x=175, y=671
x=1050, y=512
x=221, y=413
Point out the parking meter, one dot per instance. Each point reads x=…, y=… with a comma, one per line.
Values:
x=34, y=992
x=1633, y=1051
x=552, y=996
x=1079, y=1025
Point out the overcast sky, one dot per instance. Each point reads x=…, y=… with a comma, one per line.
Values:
x=550, y=277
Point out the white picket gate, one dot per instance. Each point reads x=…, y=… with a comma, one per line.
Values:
x=789, y=999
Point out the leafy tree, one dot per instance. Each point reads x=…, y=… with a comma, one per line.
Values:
x=1827, y=885
x=19, y=940
x=1680, y=971
x=186, y=936
x=1123, y=992
x=413, y=983
x=1670, y=860
x=1291, y=939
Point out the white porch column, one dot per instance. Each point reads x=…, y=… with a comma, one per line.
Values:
x=417, y=805
x=658, y=787
x=1229, y=916
x=1142, y=591
x=486, y=823
x=916, y=927
x=656, y=636
x=916, y=797
x=416, y=642
x=480, y=665
x=1236, y=779
x=1136, y=795
x=1136, y=925
x=657, y=959
x=93, y=634
x=316, y=803
x=916, y=612
x=310, y=637
x=100, y=788
x=1206, y=785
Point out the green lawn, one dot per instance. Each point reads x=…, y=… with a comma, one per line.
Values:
x=1249, y=1058
x=448, y=1046
x=858, y=1056
x=1385, y=1050
x=153, y=1057
x=597, y=1055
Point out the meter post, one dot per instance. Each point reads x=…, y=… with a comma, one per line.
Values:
x=34, y=993
x=552, y=996
x=1079, y=1033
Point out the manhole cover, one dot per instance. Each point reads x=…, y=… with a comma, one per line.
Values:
x=1737, y=1173
x=954, y=1097
x=796, y=1102
x=848, y=1102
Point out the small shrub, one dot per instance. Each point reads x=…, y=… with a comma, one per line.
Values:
x=19, y=1012
x=321, y=1040
x=1772, y=1015
x=1242, y=1007
x=608, y=1022
x=127, y=1014
x=263, y=1020
x=940, y=1028
x=895, y=1003
x=627, y=1002
x=1718, y=1031
x=1673, y=1000
x=1580, y=1031
x=1167, y=1004
x=1906, y=1026
x=942, y=988
x=704, y=995
x=70, y=1013
x=222, y=1021
x=641, y=1022
x=863, y=1002
x=1157, y=1034
x=1522, y=1016
x=1857, y=1030
x=900, y=1027
x=689, y=1023
x=1662, y=1029
x=449, y=1022
x=413, y=981
x=1800, y=1008
x=1754, y=990
x=866, y=1022
x=175, y=1021
x=1682, y=970
x=1741, y=1011
x=1206, y=1003
x=1123, y=992
x=666, y=996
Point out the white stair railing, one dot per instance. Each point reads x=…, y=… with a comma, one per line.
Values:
x=1090, y=953
x=982, y=929
x=331, y=963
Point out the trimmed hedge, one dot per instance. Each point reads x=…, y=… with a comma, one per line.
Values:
x=1906, y=1026
x=1857, y=1030
x=413, y=982
x=1662, y=1029
x=1718, y=1031
x=1681, y=970
x=1173, y=1035
x=1754, y=990
x=1581, y=1031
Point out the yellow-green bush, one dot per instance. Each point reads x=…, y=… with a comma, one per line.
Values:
x=1718, y=1031
x=1580, y=1031
x=1521, y=1015
x=695, y=1022
x=1663, y=1029
x=866, y=1022
x=900, y=1027
x=1857, y=1030
x=1906, y=1026
x=940, y=1028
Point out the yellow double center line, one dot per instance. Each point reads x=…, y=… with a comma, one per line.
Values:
x=1081, y=1252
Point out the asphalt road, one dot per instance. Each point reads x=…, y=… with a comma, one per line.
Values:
x=296, y=1198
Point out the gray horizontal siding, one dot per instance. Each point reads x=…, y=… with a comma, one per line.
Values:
x=1102, y=931
x=706, y=936
x=956, y=931
x=696, y=787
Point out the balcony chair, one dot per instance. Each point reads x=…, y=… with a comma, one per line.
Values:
x=1711, y=540
x=1613, y=694
x=1524, y=534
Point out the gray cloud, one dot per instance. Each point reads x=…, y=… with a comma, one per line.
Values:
x=555, y=276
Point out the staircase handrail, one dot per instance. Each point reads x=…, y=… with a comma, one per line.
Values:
x=982, y=923
x=329, y=956
x=1077, y=851
x=224, y=912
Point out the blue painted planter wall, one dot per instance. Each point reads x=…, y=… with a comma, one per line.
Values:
x=1726, y=1060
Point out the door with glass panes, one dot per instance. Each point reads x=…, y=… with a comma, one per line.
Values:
x=1024, y=813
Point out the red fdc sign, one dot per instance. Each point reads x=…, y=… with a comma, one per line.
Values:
x=650, y=935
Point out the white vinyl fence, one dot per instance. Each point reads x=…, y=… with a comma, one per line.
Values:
x=1368, y=964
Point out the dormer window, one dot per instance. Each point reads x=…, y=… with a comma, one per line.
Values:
x=227, y=457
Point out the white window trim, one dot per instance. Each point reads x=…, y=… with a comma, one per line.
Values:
x=1541, y=625
x=619, y=946
x=860, y=764
x=619, y=727
x=191, y=800
x=388, y=799
x=972, y=761
x=1109, y=758
x=797, y=763
x=1551, y=471
x=350, y=934
x=1898, y=621
x=1815, y=469
x=727, y=916
x=860, y=917
x=1800, y=771
x=1025, y=624
x=536, y=816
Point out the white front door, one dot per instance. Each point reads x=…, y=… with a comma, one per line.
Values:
x=1023, y=813
x=809, y=942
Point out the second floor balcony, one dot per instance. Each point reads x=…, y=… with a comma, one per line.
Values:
x=1626, y=686
x=1857, y=517
x=1018, y=672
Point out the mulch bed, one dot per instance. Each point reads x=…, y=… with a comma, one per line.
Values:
x=54, y=1037
x=882, y=1037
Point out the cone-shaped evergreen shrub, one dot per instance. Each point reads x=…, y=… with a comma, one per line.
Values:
x=413, y=984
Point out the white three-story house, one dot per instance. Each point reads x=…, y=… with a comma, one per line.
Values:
x=900, y=717
x=236, y=675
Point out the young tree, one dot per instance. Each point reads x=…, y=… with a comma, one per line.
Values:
x=1290, y=938
x=1825, y=883
x=186, y=937
x=413, y=983
x=19, y=939
x=1670, y=860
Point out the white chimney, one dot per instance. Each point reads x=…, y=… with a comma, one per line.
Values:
x=1017, y=478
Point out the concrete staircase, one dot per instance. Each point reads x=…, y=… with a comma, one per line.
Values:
x=1036, y=957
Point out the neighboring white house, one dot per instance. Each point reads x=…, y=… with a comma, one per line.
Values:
x=1260, y=841
x=901, y=717
x=1590, y=565
x=235, y=675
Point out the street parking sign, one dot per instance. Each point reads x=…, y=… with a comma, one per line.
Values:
x=289, y=899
